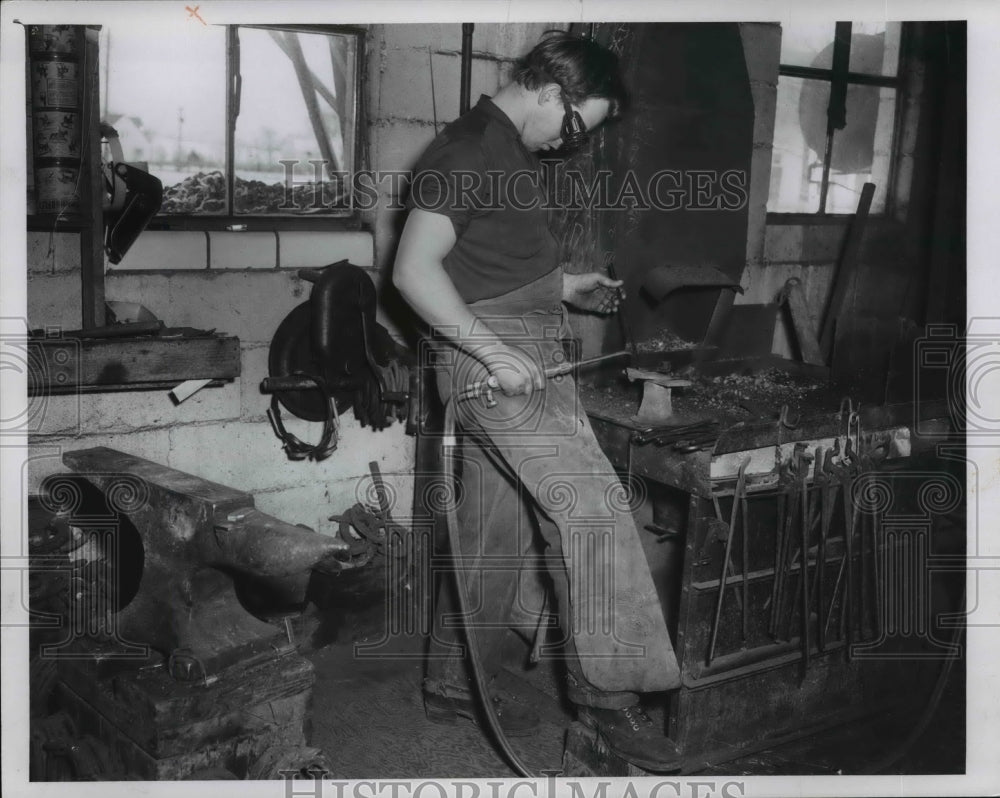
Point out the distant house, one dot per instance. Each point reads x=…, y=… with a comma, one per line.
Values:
x=137, y=142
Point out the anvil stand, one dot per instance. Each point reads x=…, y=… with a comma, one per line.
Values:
x=193, y=681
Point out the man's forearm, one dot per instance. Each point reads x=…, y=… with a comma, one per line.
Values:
x=432, y=295
x=420, y=277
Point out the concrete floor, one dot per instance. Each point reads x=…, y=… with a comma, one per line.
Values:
x=368, y=716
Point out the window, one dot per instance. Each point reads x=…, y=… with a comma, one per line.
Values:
x=838, y=94
x=237, y=121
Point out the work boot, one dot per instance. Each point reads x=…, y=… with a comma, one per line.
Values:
x=516, y=719
x=631, y=734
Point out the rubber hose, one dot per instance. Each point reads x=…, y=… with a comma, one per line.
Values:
x=924, y=720
x=448, y=467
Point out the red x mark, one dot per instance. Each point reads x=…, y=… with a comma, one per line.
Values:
x=193, y=12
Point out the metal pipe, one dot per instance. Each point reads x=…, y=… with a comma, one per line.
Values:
x=466, y=85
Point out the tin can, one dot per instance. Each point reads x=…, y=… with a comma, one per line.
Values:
x=57, y=186
x=56, y=134
x=55, y=83
x=51, y=39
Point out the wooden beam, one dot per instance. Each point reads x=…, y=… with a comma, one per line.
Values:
x=845, y=270
x=72, y=365
x=91, y=192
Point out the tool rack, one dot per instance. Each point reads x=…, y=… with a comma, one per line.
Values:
x=770, y=650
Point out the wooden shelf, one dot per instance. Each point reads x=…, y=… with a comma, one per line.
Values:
x=53, y=223
x=79, y=365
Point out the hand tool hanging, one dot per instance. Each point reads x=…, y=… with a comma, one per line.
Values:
x=823, y=479
x=329, y=355
x=841, y=467
x=804, y=558
x=739, y=496
x=793, y=504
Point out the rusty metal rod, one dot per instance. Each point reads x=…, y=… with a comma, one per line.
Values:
x=304, y=382
x=784, y=572
x=746, y=561
x=805, y=569
x=826, y=501
x=729, y=570
x=740, y=487
x=780, y=500
x=847, y=612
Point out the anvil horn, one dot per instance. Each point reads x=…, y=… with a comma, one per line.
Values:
x=253, y=542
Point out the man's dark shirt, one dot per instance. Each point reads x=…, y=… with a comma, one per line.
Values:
x=501, y=244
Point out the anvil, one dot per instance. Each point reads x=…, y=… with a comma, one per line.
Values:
x=195, y=534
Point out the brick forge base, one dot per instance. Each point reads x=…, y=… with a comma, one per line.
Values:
x=158, y=729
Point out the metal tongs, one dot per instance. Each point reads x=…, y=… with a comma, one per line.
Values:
x=684, y=436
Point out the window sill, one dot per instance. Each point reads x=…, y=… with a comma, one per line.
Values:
x=264, y=224
x=813, y=218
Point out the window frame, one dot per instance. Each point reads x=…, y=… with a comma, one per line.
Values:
x=898, y=82
x=339, y=220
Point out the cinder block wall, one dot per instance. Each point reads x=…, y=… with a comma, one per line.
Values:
x=244, y=284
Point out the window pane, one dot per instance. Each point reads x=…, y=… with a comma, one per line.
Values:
x=807, y=44
x=799, y=144
x=875, y=48
x=862, y=150
x=297, y=104
x=164, y=93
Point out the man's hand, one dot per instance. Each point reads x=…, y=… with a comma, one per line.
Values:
x=516, y=373
x=593, y=291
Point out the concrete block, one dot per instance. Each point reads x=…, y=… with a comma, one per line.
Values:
x=509, y=40
x=313, y=505
x=409, y=75
x=756, y=226
x=167, y=249
x=249, y=305
x=342, y=494
x=228, y=250
x=398, y=145
x=485, y=79
x=152, y=290
x=822, y=243
x=49, y=253
x=243, y=456
x=54, y=300
x=309, y=505
x=253, y=369
x=45, y=455
x=405, y=90
x=765, y=103
x=761, y=49
x=301, y=248
x=249, y=457
x=417, y=35
x=119, y=411
x=783, y=244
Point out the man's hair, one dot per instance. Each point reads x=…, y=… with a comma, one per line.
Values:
x=582, y=68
